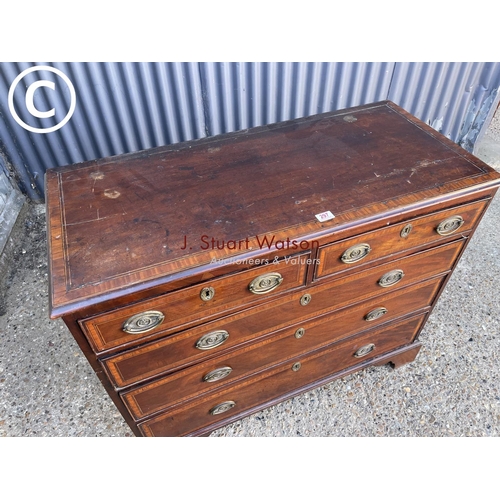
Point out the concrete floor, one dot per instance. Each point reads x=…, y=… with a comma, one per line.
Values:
x=47, y=387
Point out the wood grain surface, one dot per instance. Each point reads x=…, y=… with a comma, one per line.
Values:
x=131, y=219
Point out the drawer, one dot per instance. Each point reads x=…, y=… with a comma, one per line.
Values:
x=144, y=363
x=280, y=381
x=359, y=250
x=175, y=310
x=287, y=343
x=180, y=350
x=407, y=270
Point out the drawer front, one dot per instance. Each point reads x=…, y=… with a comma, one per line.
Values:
x=180, y=349
x=359, y=250
x=401, y=272
x=288, y=343
x=290, y=376
x=193, y=304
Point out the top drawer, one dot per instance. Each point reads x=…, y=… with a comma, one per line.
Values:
x=380, y=243
x=176, y=310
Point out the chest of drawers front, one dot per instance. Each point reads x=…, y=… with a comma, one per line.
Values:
x=210, y=283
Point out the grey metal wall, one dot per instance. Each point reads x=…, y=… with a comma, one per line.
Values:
x=457, y=99
x=243, y=95
x=120, y=107
x=123, y=107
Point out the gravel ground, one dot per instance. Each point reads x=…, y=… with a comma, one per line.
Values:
x=47, y=387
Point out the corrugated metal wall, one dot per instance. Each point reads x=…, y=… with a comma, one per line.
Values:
x=120, y=107
x=243, y=95
x=123, y=107
x=457, y=99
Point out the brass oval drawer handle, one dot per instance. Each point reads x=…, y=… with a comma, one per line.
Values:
x=218, y=374
x=355, y=253
x=143, y=322
x=222, y=407
x=391, y=278
x=265, y=283
x=363, y=351
x=212, y=340
x=450, y=225
x=376, y=314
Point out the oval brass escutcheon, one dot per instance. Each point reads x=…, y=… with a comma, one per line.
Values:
x=406, y=231
x=450, y=225
x=143, y=322
x=376, y=314
x=207, y=293
x=355, y=253
x=265, y=283
x=391, y=278
x=218, y=374
x=299, y=333
x=212, y=340
x=305, y=299
x=296, y=366
x=222, y=407
x=363, y=351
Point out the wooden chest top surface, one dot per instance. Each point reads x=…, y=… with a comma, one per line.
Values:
x=134, y=218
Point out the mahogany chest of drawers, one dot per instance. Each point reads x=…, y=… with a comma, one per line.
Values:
x=210, y=279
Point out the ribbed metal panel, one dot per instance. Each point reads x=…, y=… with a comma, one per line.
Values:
x=123, y=107
x=454, y=98
x=244, y=95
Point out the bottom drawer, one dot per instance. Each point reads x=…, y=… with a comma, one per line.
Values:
x=285, y=378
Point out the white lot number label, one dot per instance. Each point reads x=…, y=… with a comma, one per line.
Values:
x=324, y=216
